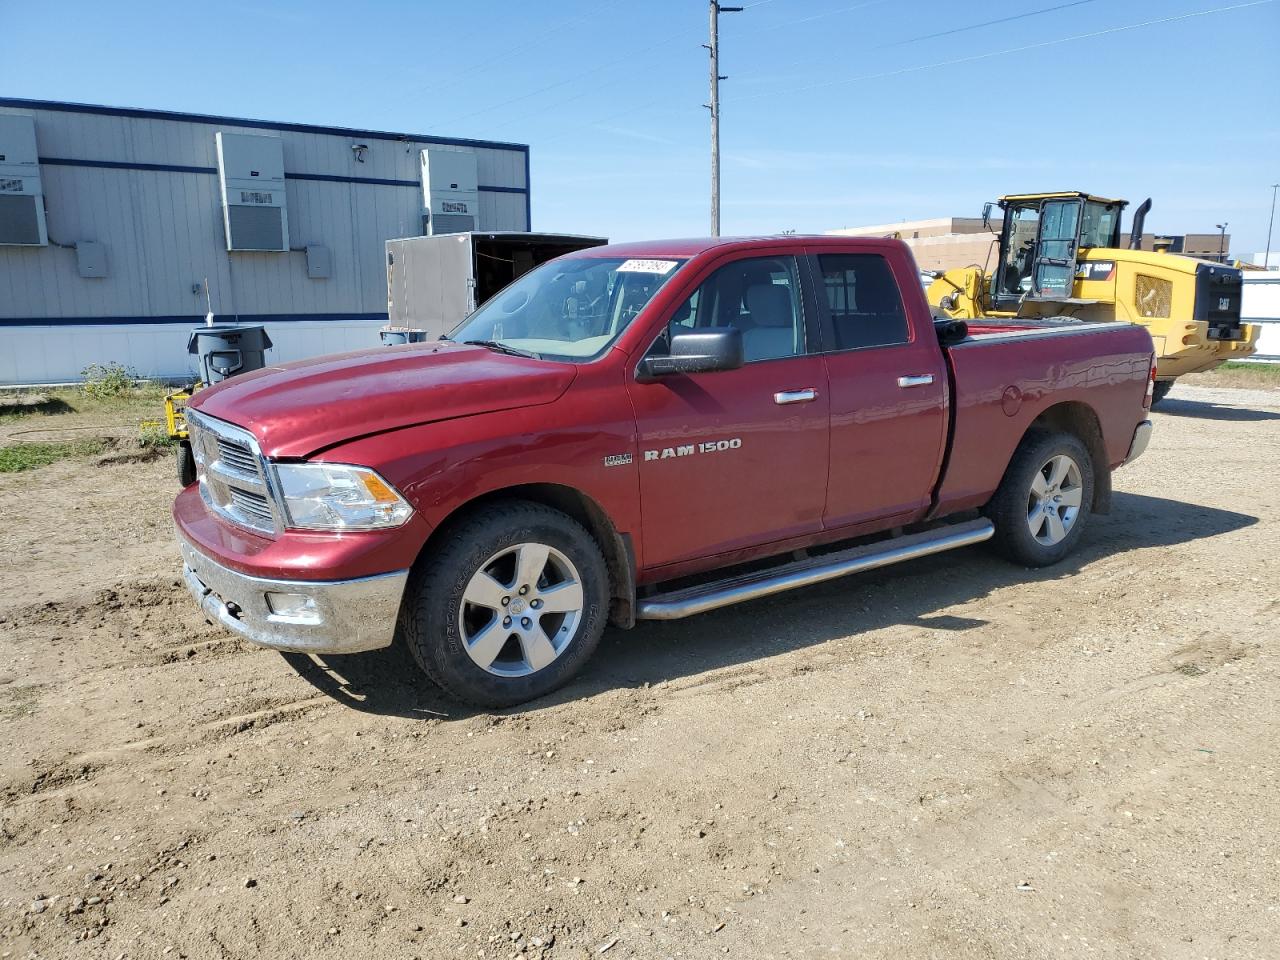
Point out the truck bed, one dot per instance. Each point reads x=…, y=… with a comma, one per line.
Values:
x=1004, y=376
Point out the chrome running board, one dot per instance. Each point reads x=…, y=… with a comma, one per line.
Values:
x=803, y=573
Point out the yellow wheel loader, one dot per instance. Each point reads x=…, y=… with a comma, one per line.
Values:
x=1060, y=258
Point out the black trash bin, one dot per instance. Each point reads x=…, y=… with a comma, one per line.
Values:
x=396, y=336
x=227, y=349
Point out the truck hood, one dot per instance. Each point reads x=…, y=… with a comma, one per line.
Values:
x=297, y=409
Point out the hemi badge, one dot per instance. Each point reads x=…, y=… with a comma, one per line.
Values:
x=617, y=460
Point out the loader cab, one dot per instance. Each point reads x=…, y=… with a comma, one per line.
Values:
x=1041, y=237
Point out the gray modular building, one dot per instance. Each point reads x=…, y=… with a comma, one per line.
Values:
x=112, y=220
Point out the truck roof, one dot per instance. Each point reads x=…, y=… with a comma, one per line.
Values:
x=692, y=246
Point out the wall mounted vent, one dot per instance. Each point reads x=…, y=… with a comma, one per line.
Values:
x=21, y=193
x=251, y=174
x=450, y=195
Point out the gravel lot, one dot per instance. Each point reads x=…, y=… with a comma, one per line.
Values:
x=954, y=758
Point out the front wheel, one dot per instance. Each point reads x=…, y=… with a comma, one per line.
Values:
x=1044, y=501
x=509, y=607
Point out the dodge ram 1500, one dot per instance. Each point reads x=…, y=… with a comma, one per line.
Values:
x=643, y=431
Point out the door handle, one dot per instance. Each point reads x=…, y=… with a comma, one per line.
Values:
x=795, y=396
x=916, y=380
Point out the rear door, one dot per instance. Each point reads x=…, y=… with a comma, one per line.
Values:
x=734, y=459
x=888, y=389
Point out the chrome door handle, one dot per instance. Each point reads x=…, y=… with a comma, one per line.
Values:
x=795, y=396
x=916, y=380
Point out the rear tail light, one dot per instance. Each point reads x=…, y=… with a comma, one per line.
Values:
x=1151, y=385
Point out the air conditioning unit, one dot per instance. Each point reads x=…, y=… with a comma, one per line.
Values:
x=251, y=174
x=450, y=196
x=21, y=194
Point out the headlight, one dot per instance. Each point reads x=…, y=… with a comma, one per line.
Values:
x=334, y=496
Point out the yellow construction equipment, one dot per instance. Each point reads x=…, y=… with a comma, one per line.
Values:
x=175, y=425
x=1060, y=257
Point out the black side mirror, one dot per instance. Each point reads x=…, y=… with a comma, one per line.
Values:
x=697, y=351
x=986, y=216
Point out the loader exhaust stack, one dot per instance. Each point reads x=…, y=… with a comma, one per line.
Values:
x=1139, y=221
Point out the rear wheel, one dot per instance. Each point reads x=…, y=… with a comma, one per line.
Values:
x=1160, y=390
x=1044, y=501
x=510, y=607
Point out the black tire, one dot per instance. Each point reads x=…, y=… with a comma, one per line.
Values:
x=1011, y=509
x=186, y=463
x=434, y=617
x=1160, y=391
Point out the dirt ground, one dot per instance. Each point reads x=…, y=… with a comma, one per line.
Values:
x=953, y=758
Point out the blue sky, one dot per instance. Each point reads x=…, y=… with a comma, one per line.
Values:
x=835, y=113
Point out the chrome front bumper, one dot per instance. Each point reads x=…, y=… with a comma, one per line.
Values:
x=327, y=616
x=1141, y=437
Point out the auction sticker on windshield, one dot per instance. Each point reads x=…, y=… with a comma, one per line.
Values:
x=662, y=267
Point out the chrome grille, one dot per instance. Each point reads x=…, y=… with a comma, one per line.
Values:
x=253, y=505
x=237, y=456
x=232, y=473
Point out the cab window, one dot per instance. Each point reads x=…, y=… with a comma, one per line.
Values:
x=863, y=301
x=760, y=296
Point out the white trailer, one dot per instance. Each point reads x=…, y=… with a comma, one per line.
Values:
x=434, y=282
x=1260, y=304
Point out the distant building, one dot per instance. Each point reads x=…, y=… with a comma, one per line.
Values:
x=938, y=244
x=947, y=243
x=1204, y=246
x=112, y=219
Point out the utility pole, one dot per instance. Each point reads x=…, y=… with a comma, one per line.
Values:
x=714, y=107
x=1266, y=257
x=1222, y=240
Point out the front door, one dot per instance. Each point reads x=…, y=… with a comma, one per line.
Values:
x=736, y=458
x=1053, y=273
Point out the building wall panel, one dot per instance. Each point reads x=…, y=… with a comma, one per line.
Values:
x=144, y=185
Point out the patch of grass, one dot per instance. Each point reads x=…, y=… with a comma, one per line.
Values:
x=152, y=437
x=1249, y=376
x=1270, y=371
x=143, y=399
x=102, y=380
x=27, y=456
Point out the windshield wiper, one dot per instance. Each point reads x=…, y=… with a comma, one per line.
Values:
x=503, y=348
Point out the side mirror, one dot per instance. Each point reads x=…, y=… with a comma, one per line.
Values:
x=698, y=351
x=986, y=216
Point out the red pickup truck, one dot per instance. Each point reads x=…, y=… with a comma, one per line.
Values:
x=643, y=431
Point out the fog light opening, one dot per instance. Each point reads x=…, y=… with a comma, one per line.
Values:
x=295, y=607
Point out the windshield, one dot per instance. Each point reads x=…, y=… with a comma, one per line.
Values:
x=570, y=309
x=1101, y=224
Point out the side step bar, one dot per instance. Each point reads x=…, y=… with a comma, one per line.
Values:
x=803, y=573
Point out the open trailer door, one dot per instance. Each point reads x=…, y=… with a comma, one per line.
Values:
x=434, y=282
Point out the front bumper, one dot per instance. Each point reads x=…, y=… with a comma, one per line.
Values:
x=340, y=616
x=1141, y=437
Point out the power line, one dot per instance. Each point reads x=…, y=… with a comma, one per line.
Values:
x=456, y=77
x=1002, y=53
x=988, y=23
x=567, y=80
x=817, y=16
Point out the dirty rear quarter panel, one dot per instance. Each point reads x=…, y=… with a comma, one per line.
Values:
x=1105, y=368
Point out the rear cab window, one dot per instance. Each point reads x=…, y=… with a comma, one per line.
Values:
x=863, y=304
